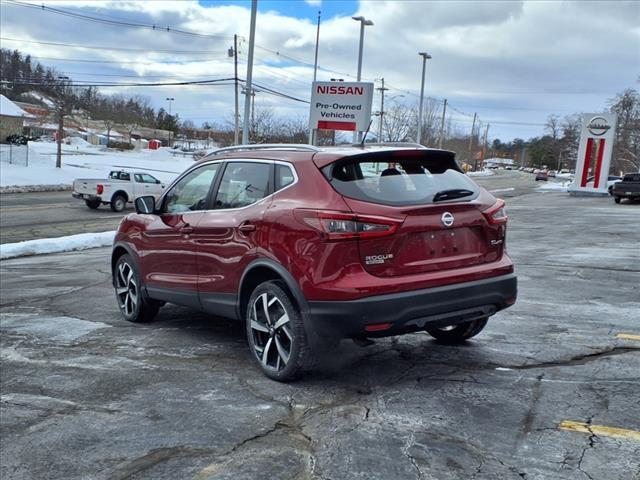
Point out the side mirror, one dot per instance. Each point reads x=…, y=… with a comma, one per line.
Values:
x=146, y=205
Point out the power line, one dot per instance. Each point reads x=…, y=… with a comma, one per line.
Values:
x=104, y=47
x=41, y=83
x=120, y=23
x=86, y=60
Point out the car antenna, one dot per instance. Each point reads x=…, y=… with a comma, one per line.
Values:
x=364, y=137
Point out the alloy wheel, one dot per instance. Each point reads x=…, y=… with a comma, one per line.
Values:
x=271, y=331
x=126, y=289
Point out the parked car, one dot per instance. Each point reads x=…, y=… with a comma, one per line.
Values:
x=551, y=174
x=121, y=187
x=628, y=187
x=542, y=175
x=308, y=245
x=611, y=181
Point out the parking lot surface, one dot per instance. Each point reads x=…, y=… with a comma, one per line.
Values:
x=550, y=389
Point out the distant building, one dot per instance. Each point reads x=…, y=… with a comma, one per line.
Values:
x=498, y=162
x=11, y=119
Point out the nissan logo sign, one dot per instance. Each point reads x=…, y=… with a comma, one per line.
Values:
x=598, y=126
x=447, y=219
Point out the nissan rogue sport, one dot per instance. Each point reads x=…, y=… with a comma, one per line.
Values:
x=307, y=244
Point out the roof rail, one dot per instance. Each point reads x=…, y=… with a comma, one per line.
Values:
x=392, y=144
x=296, y=147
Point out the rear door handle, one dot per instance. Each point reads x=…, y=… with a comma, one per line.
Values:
x=186, y=230
x=247, y=227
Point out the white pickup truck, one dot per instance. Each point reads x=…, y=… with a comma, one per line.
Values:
x=121, y=187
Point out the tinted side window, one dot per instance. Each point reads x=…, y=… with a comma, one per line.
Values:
x=284, y=176
x=146, y=178
x=192, y=191
x=243, y=183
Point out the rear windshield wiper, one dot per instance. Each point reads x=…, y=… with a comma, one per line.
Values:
x=451, y=194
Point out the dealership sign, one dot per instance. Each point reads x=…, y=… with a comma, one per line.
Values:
x=594, y=154
x=341, y=105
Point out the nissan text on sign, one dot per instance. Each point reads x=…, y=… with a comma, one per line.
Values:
x=341, y=106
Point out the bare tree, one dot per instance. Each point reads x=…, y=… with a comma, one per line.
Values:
x=63, y=105
x=397, y=121
x=108, y=123
x=627, y=145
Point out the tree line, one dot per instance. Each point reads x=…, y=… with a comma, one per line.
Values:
x=21, y=78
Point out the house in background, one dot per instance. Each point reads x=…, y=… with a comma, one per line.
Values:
x=12, y=119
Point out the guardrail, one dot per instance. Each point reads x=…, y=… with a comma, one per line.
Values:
x=14, y=154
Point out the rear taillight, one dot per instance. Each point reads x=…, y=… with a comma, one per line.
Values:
x=497, y=214
x=345, y=226
x=100, y=189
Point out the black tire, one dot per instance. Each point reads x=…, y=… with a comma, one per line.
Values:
x=93, y=204
x=616, y=199
x=118, y=202
x=283, y=351
x=458, y=333
x=133, y=304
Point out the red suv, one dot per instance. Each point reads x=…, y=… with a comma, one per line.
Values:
x=308, y=244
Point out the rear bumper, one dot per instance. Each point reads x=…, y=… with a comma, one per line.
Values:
x=84, y=196
x=414, y=310
x=626, y=193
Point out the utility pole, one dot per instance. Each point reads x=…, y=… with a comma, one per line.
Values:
x=248, y=87
x=484, y=143
x=236, y=134
x=524, y=151
x=424, y=56
x=382, y=89
x=312, y=131
x=444, y=112
x=473, y=129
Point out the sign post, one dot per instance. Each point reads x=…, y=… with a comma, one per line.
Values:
x=594, y=154
x=341, y=106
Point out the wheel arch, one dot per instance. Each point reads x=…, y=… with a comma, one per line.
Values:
x=121, y=193
x=120, y=249
x=262, y=270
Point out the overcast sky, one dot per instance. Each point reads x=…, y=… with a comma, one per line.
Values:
x=512, y=62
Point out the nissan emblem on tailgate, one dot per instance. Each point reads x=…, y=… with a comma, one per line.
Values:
x=447, y=219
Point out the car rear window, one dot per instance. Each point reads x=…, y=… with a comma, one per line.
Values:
x=632, y=177
x=408, y=181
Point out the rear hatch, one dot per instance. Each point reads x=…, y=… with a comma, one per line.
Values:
x=439, y=214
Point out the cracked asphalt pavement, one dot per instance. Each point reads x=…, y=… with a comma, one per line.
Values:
x=86, y=395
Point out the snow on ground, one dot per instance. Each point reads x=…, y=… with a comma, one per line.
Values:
x=555, y=186
x=82, y=160
x=81, y=241
x=481, y=173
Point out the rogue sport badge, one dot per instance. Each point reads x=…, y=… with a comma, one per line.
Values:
x=598, y=126
x=447, y=219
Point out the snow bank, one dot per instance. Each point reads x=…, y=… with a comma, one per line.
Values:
x=481, y=173
x=82, y=160
x=81, y=142
x=81, y=241
x=555, y=186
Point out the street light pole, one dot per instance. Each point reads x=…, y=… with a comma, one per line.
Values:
x=170, y=99
x=312, y=131
x=424, y=56
x=363, y=23
x=248, y=87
